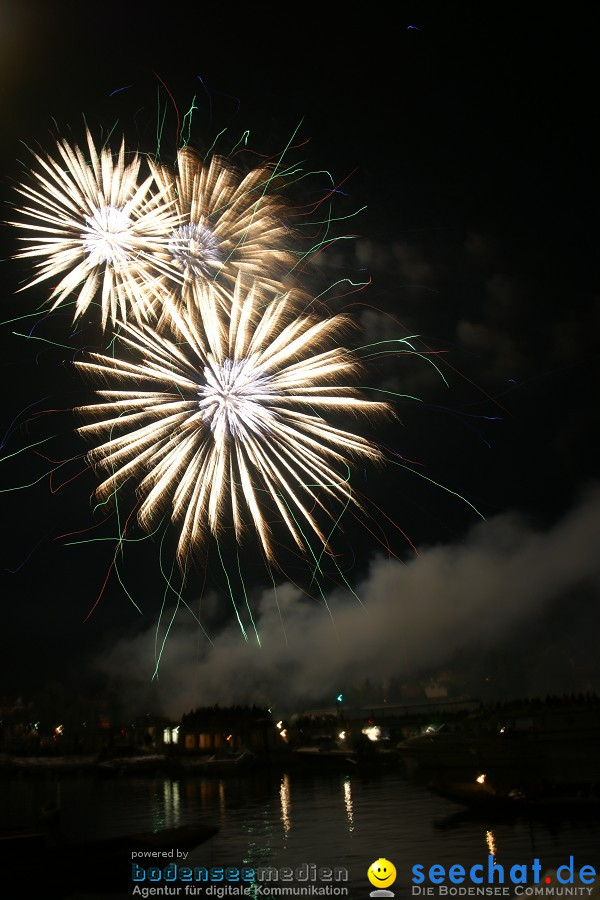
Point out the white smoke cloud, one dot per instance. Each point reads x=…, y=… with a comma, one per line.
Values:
x=451, y=598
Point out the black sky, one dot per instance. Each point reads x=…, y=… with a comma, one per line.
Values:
x=467, y=131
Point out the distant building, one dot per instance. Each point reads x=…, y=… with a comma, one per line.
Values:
x=151, y=733
x=229, y=728
x=435, y=690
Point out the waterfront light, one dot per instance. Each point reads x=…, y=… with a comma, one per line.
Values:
x=373, y=732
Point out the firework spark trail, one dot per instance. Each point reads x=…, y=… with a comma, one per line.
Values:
x=94, y=222
x=231, y=419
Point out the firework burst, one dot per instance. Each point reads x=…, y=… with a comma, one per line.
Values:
x=227, y=225
x=223, y=423
x=96, y=223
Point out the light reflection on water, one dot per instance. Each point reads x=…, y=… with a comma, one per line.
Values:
x=348, y=802
x=329, y=819
x=286, y=805
x=491, y=842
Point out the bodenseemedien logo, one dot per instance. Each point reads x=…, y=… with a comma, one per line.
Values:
x=306, y=880
x=381, y=874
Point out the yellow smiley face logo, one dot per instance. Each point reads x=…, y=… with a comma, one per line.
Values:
x=382, y=873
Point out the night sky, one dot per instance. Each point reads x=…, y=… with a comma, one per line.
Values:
x=467, y=133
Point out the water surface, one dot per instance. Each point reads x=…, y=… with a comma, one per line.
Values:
x=291, y=818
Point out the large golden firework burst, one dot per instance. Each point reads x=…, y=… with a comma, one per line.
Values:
x=95, y=222
x=223, y=422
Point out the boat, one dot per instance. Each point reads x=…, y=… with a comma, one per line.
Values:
x=44, y=764
x=219, y=763
x=142, y=764
x=542, y=798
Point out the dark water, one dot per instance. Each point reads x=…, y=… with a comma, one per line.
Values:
x=287, y=819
